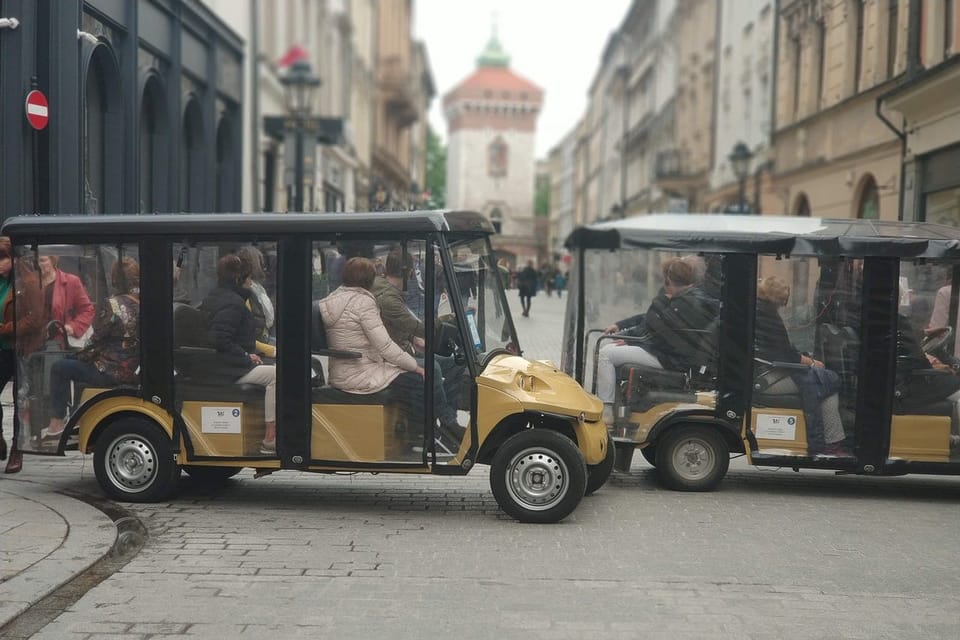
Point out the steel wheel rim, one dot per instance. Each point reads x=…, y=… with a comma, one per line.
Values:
x=694, y=458
x=537, y=478
x=131, y=463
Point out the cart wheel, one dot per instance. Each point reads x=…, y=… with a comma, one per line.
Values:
x=649, y=453
x=538, y=476
x=598, y=474
x=134, y=461
x=692, y=458
x=210, y=475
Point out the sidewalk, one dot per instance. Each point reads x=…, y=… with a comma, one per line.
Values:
x=45, y=540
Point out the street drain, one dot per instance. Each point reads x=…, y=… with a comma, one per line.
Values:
x=131, y=536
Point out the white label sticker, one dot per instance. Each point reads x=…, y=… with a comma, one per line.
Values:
x=776, y=427
x=220, y=420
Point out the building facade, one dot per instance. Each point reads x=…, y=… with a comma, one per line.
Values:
x=744, y=104
x=146, y=108
x=833, y=157
x=927, y=104
x=491, y=128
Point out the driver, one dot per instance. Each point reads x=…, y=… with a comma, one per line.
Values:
x=670, y=324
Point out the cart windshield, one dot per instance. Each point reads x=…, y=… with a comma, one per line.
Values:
x=476, y=280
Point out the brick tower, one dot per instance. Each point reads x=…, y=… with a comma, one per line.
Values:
x=491, y=125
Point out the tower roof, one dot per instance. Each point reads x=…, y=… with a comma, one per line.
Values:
x=493, y=54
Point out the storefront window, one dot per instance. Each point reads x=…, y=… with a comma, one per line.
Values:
x=943, y=207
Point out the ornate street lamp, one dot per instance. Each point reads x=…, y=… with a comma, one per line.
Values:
x=299, y=84
x=740, y=159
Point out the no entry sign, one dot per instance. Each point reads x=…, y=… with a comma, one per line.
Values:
x=37, y=109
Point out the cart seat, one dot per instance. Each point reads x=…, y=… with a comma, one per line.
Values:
x=332, y=395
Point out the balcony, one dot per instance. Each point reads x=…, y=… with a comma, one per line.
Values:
x=396, y=85
x=674, y=171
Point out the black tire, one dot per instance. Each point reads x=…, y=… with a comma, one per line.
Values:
x=134, y=461
x=649, y=453
x=538, y=476
x=211, y=475
x=598, y=474
x=692, y=458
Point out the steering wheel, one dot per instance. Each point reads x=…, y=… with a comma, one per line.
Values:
x=936, y=339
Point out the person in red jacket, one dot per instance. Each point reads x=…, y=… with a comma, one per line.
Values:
x=64, y=298
x=26, y=287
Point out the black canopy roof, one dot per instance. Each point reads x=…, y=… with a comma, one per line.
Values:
x=771, y=235
x=75, y=227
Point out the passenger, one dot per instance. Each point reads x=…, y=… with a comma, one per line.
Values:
x=112, y=356
x=923, y=389
x=678, y=310
x=231, y=330
x=527, y=284
x=818, y=386
x=65, y=300
x=940, y=317
x=26, y=287
x=260, y=304
x=352, y=322
x=406, y=330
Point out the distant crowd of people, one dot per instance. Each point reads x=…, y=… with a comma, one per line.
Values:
x=529, y=281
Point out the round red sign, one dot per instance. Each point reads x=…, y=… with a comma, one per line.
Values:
x=38, y=111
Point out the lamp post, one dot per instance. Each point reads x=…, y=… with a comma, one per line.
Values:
x=740, y=159
x=299, y=84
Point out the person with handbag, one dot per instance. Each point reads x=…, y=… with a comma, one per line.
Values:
x=113, y=355
x=65, y=300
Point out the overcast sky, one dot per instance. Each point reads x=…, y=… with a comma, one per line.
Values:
x=555, y=44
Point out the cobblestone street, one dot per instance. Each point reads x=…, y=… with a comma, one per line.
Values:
x=772, y=554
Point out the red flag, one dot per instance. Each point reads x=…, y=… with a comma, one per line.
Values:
x=295, y=53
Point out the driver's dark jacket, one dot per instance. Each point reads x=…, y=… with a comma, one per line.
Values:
x=674, y=328
x=771, y=337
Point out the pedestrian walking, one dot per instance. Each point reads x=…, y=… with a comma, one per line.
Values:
x=527, y=284
x=559, y=283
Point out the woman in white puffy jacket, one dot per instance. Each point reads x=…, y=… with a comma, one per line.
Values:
x=352, y=321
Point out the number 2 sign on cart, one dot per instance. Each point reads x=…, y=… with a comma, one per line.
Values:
x=37, y=110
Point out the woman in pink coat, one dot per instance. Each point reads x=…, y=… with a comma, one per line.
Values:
x=64, y=298
x=352, y=321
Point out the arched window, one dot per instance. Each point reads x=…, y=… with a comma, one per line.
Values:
x=226, y=174
x=801, y=206
x=496, y=218
x=868, y=204
x=154, y=141
x=102, y=134
x=497, y=158
x=192, y=158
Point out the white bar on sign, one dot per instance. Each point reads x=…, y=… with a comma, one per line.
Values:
x=36, y=109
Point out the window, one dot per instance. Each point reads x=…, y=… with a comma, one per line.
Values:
x=858, y=44
x=496, y=218
x=892, y=33
x=949, y=26
x=153, y=148
x=191, y=162
x=94, y=189
x=797, y=51
x=869, y=205
x=226, y=172
x=497, y=158
x=821, y=61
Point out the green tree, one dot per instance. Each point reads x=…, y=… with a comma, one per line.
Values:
x=541, y=201
x=436, y=170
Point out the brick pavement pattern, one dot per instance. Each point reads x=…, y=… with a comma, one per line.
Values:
x=772, y=554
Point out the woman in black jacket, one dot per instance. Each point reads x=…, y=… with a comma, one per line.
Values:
x=232, y=331
x=818, y=386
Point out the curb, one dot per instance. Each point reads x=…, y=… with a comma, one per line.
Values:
x=90, y=536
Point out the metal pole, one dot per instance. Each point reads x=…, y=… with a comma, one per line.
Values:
x=298, y=168
x=743, y=193
x=623, y=147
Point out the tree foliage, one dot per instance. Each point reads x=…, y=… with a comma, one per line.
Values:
x=436, y=170
x=541, y=200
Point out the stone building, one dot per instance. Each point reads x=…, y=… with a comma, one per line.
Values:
x=146, y=107
x=683, y=169
x=833, y=157
x=491, y=124
x=928, y=106
x=744, y=104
